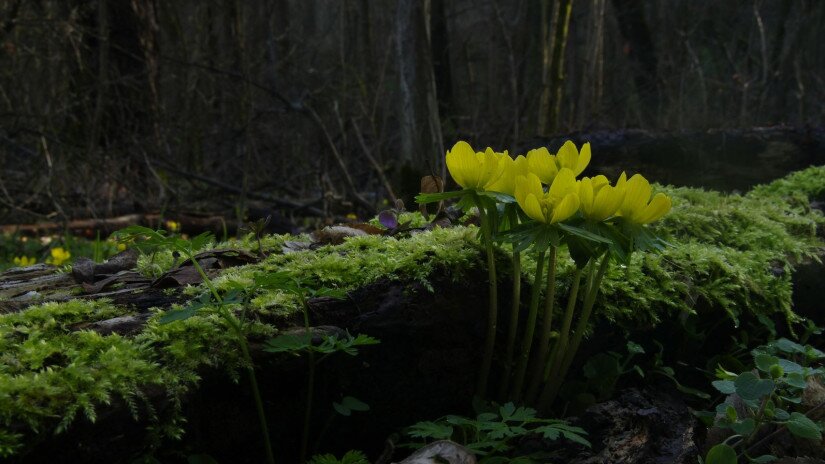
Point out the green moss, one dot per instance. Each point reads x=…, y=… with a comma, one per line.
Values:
x=805, y=183
x=730, y=253
x=363, y=260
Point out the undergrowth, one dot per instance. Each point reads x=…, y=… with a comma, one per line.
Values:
x=730, y=253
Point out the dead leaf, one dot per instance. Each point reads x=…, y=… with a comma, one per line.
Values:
x=431, y=184
x=335, y=235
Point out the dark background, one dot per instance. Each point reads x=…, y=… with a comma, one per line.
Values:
x=114, y=106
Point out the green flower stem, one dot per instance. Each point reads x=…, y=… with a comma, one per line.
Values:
x=492, y=315
x=237, y=328
x=548, y=396
x=560, y=347
x=546, y=328
x=310, y=380
x=529, y=330
x=514, y=312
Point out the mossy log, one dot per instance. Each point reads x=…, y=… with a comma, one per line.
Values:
x=91, y=361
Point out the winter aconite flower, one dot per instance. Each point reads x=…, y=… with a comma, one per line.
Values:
x=637, y=206
x=512, y=169
x=23, y=261
x=173, y=226
x=542, y=164
x=59, y=256
x=557, y=204
x=569, y=157
x=471, y=170
x=599, y=200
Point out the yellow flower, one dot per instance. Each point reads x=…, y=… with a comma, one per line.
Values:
x=512, y=169
x=637, y=207
x=59, y=256
x=569, y=157
x=473, y=170
x=121, y=247
x=173, y=226
x=599, y=200
x=23, y=261
x=542, y=164
x=557, y=204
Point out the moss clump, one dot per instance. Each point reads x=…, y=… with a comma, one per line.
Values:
x=732, y=253
x=49, y=373
x=807, y=183
x=362, y=260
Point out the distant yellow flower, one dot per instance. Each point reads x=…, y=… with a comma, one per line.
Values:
x=569, y=157
x=557, y=204
x=59, y=256
x=599, y=200
x=471, y=170
x=173, y=226
x=352, y=216
x=512, y=169
x=23, y=261
x=542, y=164
x=637, y=206
x=121, y=247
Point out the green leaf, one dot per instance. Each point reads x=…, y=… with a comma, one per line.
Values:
x=764, y=459
x=790, y=366
x=750, y=387
x=288, y=343
x=575, y=438
x=434, y=430
x=178, y=314
x=635, y=348
x=354, y=404
x=724, y=386
x=802, y=427
x=796, y=379
x=788, y=346
x=721, y=454
x=745, y=427
x=585, y=234
x=764, y=361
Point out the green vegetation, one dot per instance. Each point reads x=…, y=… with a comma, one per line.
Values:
x=730, y=253
x=772, y=394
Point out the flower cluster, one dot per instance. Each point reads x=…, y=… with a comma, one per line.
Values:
x=545, y=186
x=59, y=255
x=539, y=200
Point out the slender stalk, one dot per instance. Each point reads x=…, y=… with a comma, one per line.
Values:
x=514, y=312
x=529, y=330
x=237, y=328
x=546, y=328
x=548, y=396
x=310, y=381
x=587, y=310
x=492, y=314
x=564, y=334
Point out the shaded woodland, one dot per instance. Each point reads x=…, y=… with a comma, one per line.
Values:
x=330, y=107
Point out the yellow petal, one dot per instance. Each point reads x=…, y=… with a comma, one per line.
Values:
x=532, y=208
x=599, y=182
x=459, y=161
x=583, y=159
x=622, y=182
x=567, y=156
x=657, y=208
x=564, y=183
x=565, y=208
x=586, y=196
x=637, y=195
x=541, y=163
x=607, y=202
